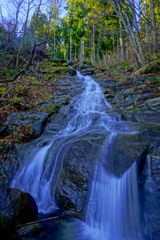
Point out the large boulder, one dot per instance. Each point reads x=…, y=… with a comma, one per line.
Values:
x=149, y=185
x=36, y=120
x=153, y=102
x=125, y=150
x=78, y=162
x=143, y=117
x=16, y=207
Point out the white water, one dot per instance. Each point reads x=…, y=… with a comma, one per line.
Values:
x=113, y=207
x=112, y=212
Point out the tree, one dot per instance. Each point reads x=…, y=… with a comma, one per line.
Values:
x=134, y=36
x=154, y=25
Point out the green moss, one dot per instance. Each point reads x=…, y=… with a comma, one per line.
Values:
x=47, y=95
x=35, y=118
x=87, y=62
x=152, y=67
x=52, y=105
x=2, y=90
x=35, y=82
x=21, y=117
x=16, y=99
x=21, y=90
x=31, y=78
x=44, y=71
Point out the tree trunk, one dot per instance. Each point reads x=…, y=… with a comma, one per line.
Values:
x=146, y=22
x=104, y=59
x=24, y=34
x=93, y=45
x=113, y=43
x=75, y=58
x=127, y=54
x=54, y=45
x=121, y=40
x=154, y=25
x=65, y=52
x=134, y=39
x=81, y=50
x=70, y=47
x=117, y=45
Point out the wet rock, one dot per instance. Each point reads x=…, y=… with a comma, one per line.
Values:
x=125, y=150
x=32, y=229
x=16, y=207
x=78, y=164
x=87, y=71
x=144, y=117
x=149, y=182
x=16, y=160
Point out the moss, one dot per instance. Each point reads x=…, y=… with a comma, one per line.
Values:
x=2, y=90
x=49, y=77
x=21, y=90
x=152, y=67
x=35, y=118
x=43, y=70
x=47, y=95
x=87, y=62
x=55, y=70
x=35, y=82
x=31, y=78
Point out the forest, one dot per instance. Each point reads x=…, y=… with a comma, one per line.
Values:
x=103, y=32
x=79, y=119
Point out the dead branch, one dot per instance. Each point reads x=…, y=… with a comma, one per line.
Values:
x=30, y=61
x=30, y=223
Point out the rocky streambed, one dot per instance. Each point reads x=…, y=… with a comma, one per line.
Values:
x=135, y=102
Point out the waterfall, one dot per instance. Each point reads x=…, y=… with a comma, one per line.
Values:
x=37, y=175
x=113, y=207
x=112, y=211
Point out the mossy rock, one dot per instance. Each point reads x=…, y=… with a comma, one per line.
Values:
x=31, y=78
x=44, y=71
x=30, y=229
x=49, y=77
x=152, y=67
x=55, y=70
x=63, y=70
x=2, y=90
x=16, y=207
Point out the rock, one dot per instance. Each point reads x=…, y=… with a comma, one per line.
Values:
x=144, y=117
x=153, y=102
x=16, y=207
x=78, y=161
x=129, y=91
x=16, y=161
x=36, y=119
x=155, y=157
x=108, y=84
x=125, y=150
x=149, y=182
x=33, y=229
x=152, y=67
x=87, y=71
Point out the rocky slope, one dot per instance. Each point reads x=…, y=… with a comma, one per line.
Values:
x=136, y=101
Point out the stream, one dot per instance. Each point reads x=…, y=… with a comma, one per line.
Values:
x=112, y=208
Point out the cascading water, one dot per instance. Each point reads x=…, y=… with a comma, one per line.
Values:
x=113, y=207
x=112, y=212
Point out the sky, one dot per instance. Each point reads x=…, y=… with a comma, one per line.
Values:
x=8, y=13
